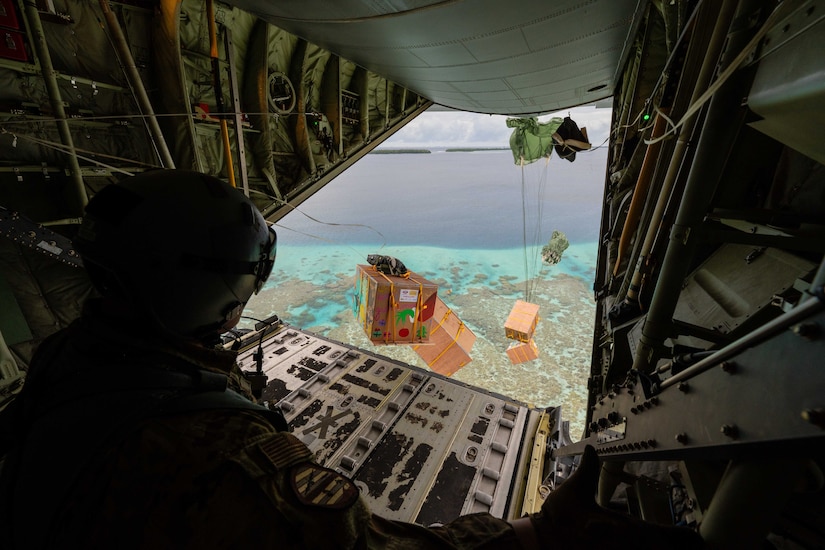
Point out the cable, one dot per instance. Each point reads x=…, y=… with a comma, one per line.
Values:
x=723, y=77
x=60, y=147
x=268, y=324
x=332, y=224
x=524, y=236
x=237, y=337
x=93, y=118
x=63, y=149
x=537, y=232
x=257, y=379
x=531, y=241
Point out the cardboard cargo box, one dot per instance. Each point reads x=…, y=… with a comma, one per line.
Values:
x=522, y=352
x=394, y=310
x=521, y=323
x=450, y=342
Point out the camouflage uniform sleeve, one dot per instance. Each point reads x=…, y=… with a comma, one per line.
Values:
x=320, y=508
x=324, y=510
x=238, y=382
x=473, y=531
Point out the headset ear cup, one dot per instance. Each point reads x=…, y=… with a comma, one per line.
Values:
x=264, y=268
x=232, y=316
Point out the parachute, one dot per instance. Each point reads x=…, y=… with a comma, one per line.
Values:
x=532, y=140
x=552, y=251
x=572, y=139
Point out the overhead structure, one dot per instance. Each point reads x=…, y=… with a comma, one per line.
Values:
x=484, y=56
x=96, y=91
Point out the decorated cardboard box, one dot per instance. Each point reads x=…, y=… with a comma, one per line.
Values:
x=450, y=342
x=521, y=323
x=394, y=310
x=522, y=352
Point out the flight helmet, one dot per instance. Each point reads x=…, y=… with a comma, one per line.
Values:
x=185, y=250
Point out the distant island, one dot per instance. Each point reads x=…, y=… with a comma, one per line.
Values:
x=399, y=151
x=427, y=151
x=474, y=149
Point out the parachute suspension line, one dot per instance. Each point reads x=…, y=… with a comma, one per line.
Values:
x=536, y=243
x=530, y=141
x=532, y=237
x=358, y=253
x=524, y=234
x=537, y=237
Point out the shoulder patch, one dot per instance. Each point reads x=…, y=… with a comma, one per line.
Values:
x=315, y=485
x=284, y=449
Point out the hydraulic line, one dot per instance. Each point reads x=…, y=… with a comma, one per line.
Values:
x=216, y=79
x=713, y=50
x=640, y=192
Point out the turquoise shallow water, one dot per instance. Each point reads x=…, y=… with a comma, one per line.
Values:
x=457, y=270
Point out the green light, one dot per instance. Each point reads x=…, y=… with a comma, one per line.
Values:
x=646, y=117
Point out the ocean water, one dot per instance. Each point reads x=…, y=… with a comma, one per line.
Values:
x=473, y=222
x=477, y=200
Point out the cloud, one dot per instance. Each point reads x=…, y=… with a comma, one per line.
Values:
x=461, y=129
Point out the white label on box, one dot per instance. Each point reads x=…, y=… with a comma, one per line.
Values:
x=408, y=295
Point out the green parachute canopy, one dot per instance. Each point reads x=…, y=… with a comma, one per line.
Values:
x=531, y=139
x=552, y=251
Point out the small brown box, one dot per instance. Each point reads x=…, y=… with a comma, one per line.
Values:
x=522, y=352
x=450, y=342
x=521, y=323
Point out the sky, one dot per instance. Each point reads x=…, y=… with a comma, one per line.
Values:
x=461, y=129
